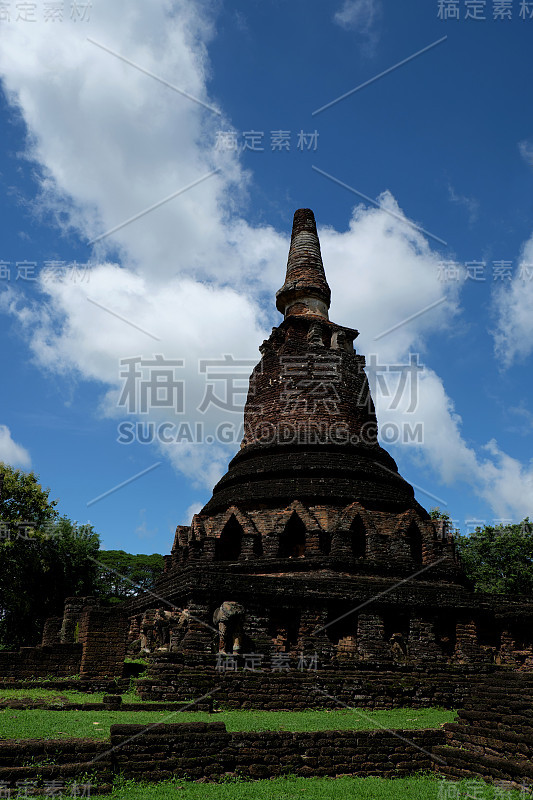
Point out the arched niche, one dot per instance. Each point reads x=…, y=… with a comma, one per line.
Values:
x=413, y=538
x=228, y=545
x=292, y=539
x=357, y=538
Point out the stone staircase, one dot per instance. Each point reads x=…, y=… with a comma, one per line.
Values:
x=494, y=732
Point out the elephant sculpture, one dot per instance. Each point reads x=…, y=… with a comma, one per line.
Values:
x=229, y=618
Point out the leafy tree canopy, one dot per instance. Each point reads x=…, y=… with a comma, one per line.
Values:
x=122, y=574
x=43, y=558
x=23, y=500
x=499, y=558
x=436, y=513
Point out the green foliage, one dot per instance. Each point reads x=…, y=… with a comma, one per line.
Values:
x=125, y=574
x=43, y=558
x=436, y=513
x=23, y=499
x=500, y=558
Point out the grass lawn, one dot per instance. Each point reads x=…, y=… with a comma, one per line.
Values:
x=52, y=724
x=71, y=695
x=421, y=787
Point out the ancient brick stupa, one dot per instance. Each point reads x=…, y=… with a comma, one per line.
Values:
x=312, y=542
x=312, y=537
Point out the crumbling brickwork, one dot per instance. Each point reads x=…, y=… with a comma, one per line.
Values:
x=102, y=635
x=41, y=662
x=493, y=737
x=202, y=750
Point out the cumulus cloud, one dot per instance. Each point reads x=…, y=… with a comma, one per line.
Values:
x=382, y=256
x=423, y=419
x=194, y=280
x=12, y=453
x=512, y=305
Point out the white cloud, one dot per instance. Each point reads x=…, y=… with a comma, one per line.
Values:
x=142, y=530
x=501, y=481
x=193, y=509
x=469, y=203
x=382, y=271
x=111, y=141
x=526, y=151
x=12, y=453
x=513, y=306
x=361, y=16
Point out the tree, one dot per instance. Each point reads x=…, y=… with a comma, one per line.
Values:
x=122, y=574
x=436, y=513
x=499, y=558
x=43, y=558
x=23, y=499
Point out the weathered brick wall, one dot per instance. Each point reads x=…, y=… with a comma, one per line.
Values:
x=297, y=690
x=51, y=631
x=203, y=750
x=39, y=662
x=493, y=737
x=442, y=622
x=103, y=635
x=38, y=763
x=73, y=611
x=88, y=641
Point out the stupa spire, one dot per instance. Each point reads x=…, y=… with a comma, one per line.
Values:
x=306, y=289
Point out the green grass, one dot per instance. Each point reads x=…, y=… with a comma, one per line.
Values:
x=52, y=724
x=420, y=787
x=72, y=695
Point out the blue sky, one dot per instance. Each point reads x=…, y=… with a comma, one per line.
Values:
x=109, y=109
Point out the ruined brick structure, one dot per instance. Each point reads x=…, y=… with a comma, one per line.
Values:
x=312, y=520
x=312, y=533
x=87, y=640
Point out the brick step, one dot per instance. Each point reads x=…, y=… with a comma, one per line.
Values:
x=518, y=706
x=472, y=719
x=502, y=687
x=489, y=733
x=483, y=765
x=31, y=752
x=493, y=748
x=515, y=696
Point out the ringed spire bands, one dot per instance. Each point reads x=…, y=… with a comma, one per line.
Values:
x=310, y=431
x=306, y=289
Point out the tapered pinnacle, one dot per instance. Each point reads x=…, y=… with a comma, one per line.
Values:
x=306, y=289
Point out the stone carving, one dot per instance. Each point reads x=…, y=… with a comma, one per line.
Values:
x=229, y=618
x=399, y=648
x=314, y=336
x=162, y=630
x=340, y=341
